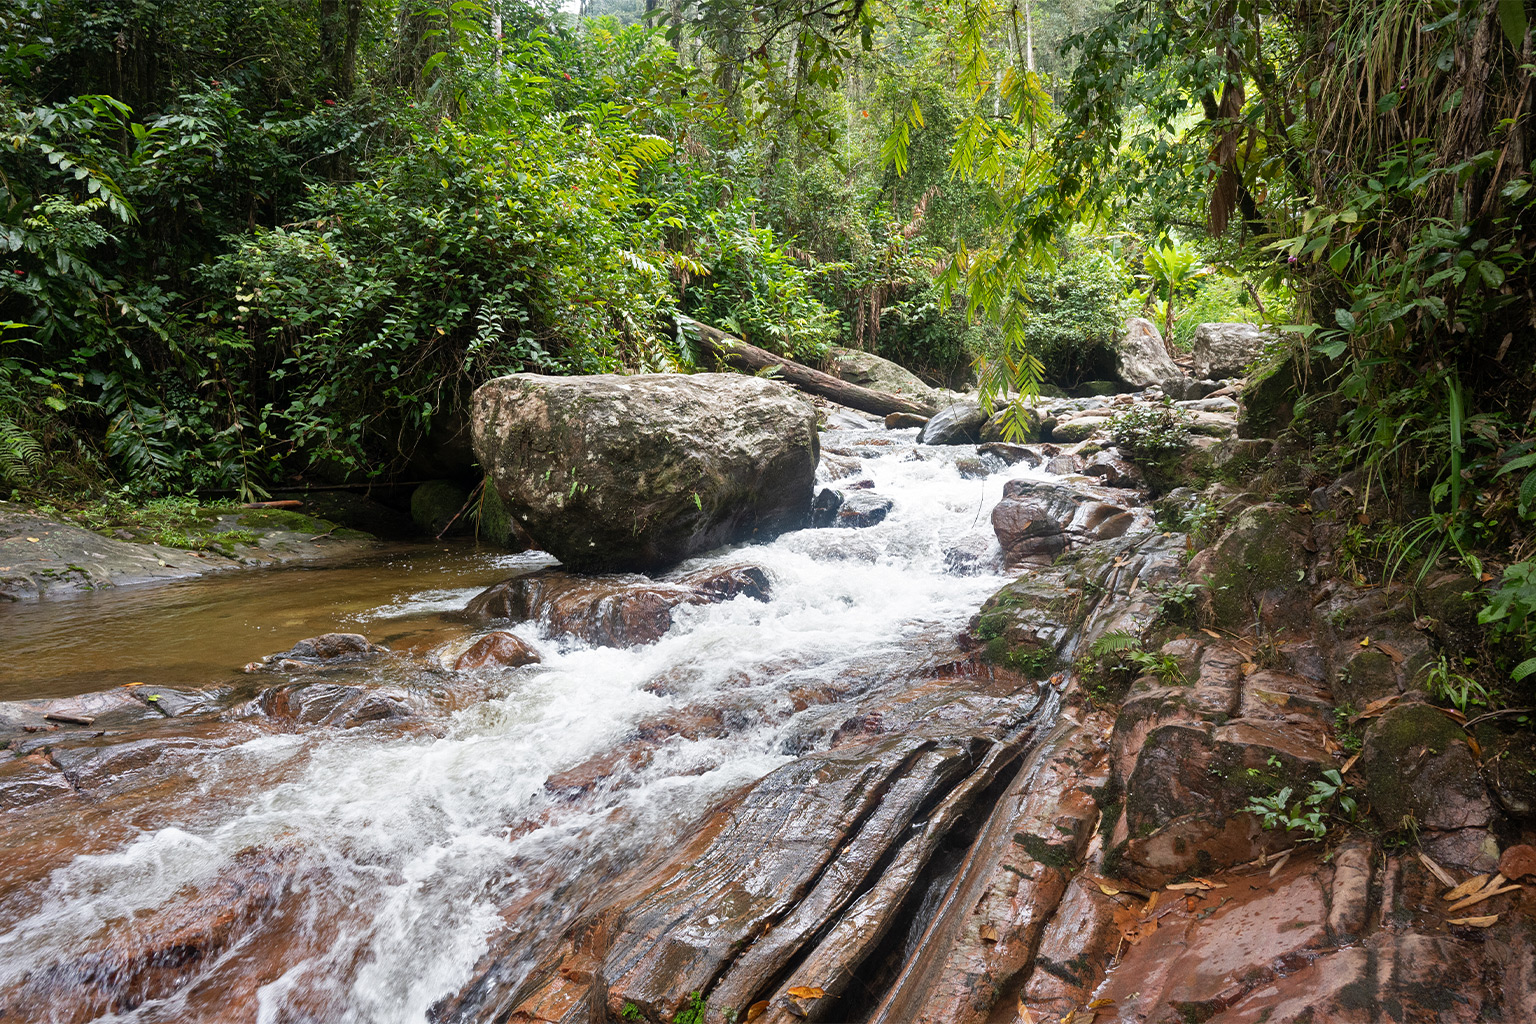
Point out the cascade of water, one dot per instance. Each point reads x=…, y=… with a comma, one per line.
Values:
x=393, y=855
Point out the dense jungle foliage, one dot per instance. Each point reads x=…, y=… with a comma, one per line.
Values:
x=249, y=245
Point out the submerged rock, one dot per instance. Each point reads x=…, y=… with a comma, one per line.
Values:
x=611, y=611
x=639, y=472
x=324, y=651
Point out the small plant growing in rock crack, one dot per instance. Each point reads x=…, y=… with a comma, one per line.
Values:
x=1461, y=691
x=693, y=1011
x=1124, y=649
x=630, y=1012
x=1348, y=738
x=1310, y=814
x=1177, y=600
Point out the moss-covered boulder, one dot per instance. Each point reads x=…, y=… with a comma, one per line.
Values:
x=434, y=505
x=1257, y=569
x=639, y=472
x=1419, y=767
x=871, y=371
x=1268, y=400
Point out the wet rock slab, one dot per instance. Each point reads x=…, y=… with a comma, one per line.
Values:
x=614, y=610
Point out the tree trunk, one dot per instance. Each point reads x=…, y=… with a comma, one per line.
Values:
x=340, y=24
x=738, y=354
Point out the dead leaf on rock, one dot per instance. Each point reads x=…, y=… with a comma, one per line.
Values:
x=1349, y=764
x=1101, y=1004
x=1445, y=877
x=1471, y=885
x=806, y=992
x=1475, y=922
x=1390, y=651
x=1279, y=864
x=988, y=933
x=757, y=1009
x=1151, y=904
x=1107, y=890
x=1025, y=1017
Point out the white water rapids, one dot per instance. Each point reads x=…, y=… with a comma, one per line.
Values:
x=404, y=851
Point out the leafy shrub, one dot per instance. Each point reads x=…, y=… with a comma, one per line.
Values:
x=1074, y=313
x=1150, y=434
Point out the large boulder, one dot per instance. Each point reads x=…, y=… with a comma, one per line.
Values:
x=960, y=423
x=1141, y=358
x=639, y=472
x=868, y=370
x=1227, y=350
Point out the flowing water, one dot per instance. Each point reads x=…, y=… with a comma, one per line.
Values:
x=381, y=861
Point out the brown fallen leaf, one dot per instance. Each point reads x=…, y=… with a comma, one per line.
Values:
x=1183, y=886
x=1475, y=922
x=1279, y=864
x=1099, y=1004
x=1349, y=764
x=1478, y=897
x=757, y=1009
x=1376, y=707
x=1445, y=877
x=988, y=933
x=1151, y=904
x=1248, y=668
x=1108, y=890
x=1211, y=632
x=1390, y=651
x=805, y=992
x=1466, y=888
x=1210, y=884
x=1025, y=1017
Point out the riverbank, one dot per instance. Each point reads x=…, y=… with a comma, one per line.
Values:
x=45, y=557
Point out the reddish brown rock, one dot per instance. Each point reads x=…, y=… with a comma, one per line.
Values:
x=319, y=652
x=1037, y=520
x=498, y=649
x=612, y=611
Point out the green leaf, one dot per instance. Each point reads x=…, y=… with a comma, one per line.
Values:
x=1345, y=319
x=1523, y=669
x=1512, y=21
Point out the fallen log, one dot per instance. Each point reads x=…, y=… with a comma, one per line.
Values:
x=742, y=356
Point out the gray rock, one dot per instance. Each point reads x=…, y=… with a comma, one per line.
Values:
x=1189, y=390
x=862, y=508
x=871, y=371
x=1226, y=350
x=960, y=423
x=1079, y=429
x=639, y=472
x=1141, y=358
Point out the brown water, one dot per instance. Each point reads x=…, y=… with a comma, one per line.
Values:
x=200, y=632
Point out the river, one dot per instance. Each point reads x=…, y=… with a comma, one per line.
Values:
x=376, y=864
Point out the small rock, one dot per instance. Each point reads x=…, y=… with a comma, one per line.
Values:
x=317, y=651
x=1011, y=454
x=903, y=420
x=863, y=509
x=824, y=508
x=498, y=649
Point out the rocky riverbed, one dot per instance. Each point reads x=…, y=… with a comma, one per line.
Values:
x=896, y=767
